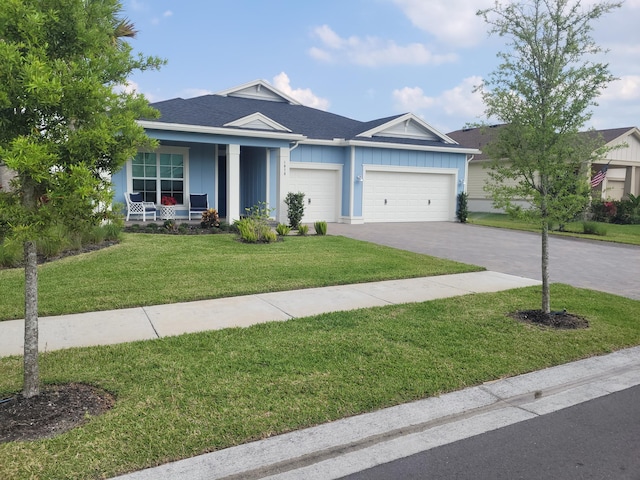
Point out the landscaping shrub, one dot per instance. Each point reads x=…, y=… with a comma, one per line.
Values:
x=462, y=212
x=269, y=236
x=53, y=241
x=320, y=227
x=95, y=234
x=622, y=212
x=113, y=231
x=210, y=218
x=594, y=228
x=283, y=229
x=170, y=225
x=295, y=208
x=255, y=226
x=248, y=230
x=303, y=229
x=10, y=253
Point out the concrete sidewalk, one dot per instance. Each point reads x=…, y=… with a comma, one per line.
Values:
x=146, y=323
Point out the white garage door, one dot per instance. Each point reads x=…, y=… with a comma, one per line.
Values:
x=408, y=197
x=321, y=190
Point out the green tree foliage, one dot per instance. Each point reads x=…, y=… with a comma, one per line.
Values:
x=543, y=90
x=66, y=123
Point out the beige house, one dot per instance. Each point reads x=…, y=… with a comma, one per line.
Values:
x=622, y=175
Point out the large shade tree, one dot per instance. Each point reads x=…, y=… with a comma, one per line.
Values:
x=543, y=90
x=66, y=123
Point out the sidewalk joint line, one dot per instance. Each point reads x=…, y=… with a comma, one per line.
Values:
x=150, y=322
x=260, y=297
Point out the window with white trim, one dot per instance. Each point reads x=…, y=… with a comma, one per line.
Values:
x=159, y=174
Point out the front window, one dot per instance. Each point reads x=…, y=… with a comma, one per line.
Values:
x=158, y=175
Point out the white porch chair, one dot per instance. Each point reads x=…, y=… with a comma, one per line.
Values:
x=137, y=206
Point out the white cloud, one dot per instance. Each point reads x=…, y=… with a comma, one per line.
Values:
x=156, y=20
x=372, y=51
x=133, y=87
x=455, y=106
x=303, y=95
x=626, y=89
x=452, y=22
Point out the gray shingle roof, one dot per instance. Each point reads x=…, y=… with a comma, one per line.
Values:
x=479, y=137
x=219, y=110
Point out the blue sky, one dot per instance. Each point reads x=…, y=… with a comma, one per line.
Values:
x=364, y=59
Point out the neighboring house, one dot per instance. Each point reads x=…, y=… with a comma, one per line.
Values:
x=622, y=173
x=254, y=144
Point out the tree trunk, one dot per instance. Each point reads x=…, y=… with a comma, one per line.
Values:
x=31, y=371
x=546, y=296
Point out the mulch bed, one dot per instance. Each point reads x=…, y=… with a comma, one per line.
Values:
x=57, y=409
x=559, y=320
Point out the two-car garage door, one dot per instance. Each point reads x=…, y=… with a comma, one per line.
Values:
x=408, y=196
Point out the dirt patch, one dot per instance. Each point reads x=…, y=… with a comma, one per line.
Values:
x=57, y=409
x=559, y=320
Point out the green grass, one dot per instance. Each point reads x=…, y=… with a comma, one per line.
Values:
x=182, y=396
x=629, y=234
x=156, y=269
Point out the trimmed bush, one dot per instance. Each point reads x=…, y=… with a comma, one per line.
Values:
x=320, y=227
x=295, y=208
x=303, y=229
x=462, y=211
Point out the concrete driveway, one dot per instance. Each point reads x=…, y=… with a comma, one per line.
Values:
x=604, y=266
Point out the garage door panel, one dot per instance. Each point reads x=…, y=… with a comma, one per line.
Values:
x=410, y=196
x=321, y=192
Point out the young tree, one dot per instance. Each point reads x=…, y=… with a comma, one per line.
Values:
x=63, y=125
x=543, y=90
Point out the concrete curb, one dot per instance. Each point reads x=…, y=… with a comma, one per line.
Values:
x=350, y=445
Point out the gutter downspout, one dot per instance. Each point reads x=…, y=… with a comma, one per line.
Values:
x=466, y=172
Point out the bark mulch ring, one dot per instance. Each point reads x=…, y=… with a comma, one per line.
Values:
x=57, y=409
x=559, y=320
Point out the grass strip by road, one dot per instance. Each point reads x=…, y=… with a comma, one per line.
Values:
x=157, y=269
x=182, y=396
x=628, y=234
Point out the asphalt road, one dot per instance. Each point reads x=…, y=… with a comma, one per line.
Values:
x=599, y=439
x=604, y=266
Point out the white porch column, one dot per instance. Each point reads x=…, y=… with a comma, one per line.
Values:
x=283, y=183
x=233, y=183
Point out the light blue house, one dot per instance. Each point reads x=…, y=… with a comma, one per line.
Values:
x=254, y=144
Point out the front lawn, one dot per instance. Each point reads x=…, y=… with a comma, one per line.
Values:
x=629, y=234
x=182, y=396
x=156, y=269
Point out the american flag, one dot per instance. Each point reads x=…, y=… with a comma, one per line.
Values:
x=599, y=177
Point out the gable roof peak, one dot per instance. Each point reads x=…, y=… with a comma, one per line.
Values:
x=259, y=90
x=407, y=125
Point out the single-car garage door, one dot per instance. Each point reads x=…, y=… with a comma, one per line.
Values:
x=321, y=188
x=391, y=196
